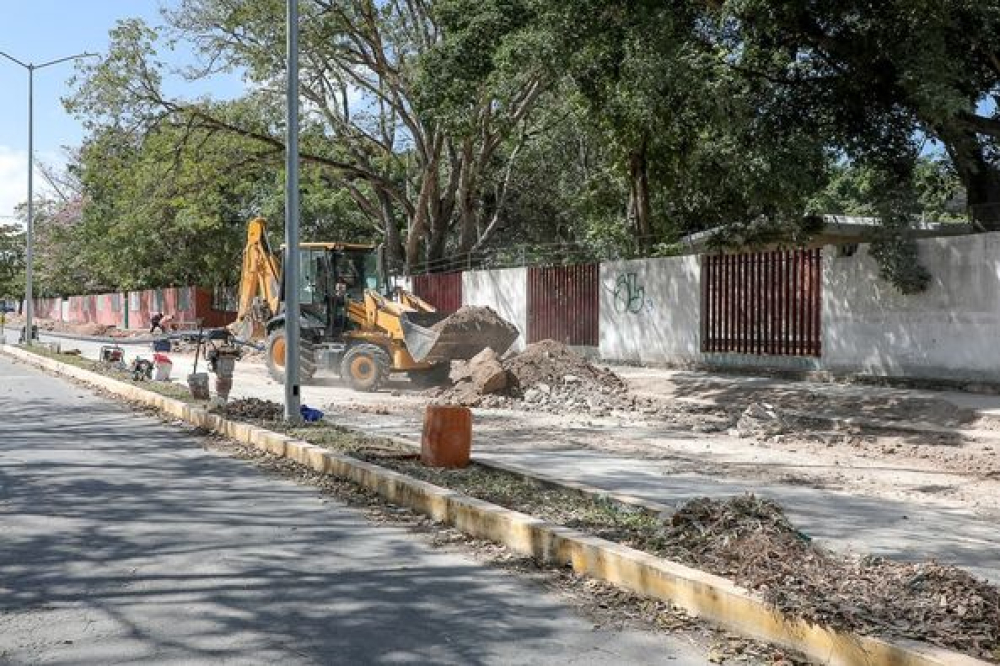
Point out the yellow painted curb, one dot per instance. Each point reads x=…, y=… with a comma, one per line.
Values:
x=701, y=594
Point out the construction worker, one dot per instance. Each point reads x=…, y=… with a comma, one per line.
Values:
x=156, y=322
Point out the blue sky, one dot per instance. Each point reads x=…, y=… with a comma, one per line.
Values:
x=41, y=30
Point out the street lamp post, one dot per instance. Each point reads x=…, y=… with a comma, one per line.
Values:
x=292, y=255
x=29, y=306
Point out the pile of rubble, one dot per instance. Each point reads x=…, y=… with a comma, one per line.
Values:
x=254, y=409
x=547, y=375
x=750, y=540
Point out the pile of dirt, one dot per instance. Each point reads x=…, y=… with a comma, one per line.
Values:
x=750, y=540
x=547, y=376
x=473, y=319
x=254, y=409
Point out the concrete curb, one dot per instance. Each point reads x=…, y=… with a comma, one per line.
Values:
x=699, y=593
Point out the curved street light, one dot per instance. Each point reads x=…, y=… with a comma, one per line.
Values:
x=28, y=296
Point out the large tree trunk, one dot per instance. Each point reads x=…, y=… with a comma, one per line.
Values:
x=393, y=239
x=981, y=179
x=983, y=189
x=638, y=205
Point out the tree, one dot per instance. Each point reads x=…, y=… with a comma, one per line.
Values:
x=416, y=174
x=878, y=77
x=680, y=136
x=12, y=248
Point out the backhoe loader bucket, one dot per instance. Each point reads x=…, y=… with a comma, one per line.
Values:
x=434, y=338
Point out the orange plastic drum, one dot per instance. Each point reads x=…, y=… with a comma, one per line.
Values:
x=447, y=438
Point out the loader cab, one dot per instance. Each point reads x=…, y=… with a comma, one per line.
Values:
x=333, y=275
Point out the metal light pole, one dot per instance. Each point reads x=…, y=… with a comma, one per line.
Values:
x=29, y=306
x=292, y=256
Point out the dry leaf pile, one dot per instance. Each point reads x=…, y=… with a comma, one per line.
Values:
x=750, y=540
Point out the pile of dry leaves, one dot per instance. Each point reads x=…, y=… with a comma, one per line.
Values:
x=750, y=540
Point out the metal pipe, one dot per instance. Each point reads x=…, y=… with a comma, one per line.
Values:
x=292, y=254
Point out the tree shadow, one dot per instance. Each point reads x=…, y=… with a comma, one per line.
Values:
x=178, y=554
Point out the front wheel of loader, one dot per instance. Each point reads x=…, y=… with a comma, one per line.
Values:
x=275, y=357
x=365, y=367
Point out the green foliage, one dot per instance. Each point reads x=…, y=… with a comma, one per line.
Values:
x=12, y=248
x=612, y=127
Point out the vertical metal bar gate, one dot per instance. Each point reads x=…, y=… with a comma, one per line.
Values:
x=564, y=304
x=762, y=303
x=442, y=290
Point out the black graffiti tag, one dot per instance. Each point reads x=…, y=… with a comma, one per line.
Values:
x=629, y=296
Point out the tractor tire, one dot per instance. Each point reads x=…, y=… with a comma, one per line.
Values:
x=275, y=357
x=365, y=367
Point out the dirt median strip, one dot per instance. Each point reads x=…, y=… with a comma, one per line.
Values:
x=701, y=594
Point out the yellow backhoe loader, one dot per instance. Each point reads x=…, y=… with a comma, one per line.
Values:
x=349, y=323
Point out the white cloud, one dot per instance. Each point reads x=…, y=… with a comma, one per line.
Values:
x=13, y=179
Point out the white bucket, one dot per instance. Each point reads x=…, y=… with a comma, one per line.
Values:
x=162, y=373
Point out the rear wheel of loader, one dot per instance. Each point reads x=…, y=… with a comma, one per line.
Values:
x=365, y=367
x=275, y=357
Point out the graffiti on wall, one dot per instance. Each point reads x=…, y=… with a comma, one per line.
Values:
x=630, y=296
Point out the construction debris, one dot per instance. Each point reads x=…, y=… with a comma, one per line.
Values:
x=761, y=420
x=254, y=409
x=481, y=375
x=750, y=540
x=547, y=375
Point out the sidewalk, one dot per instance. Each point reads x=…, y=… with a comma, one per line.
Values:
x=900, y=529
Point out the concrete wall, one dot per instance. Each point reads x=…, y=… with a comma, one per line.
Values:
x=506, y=291
x=651, y=310
x=950, y=331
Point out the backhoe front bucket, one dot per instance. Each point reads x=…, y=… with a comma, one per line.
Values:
x=435, y=338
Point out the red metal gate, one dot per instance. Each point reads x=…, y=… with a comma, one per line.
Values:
x=442, y=290
x=564, y=304
x=762, y=303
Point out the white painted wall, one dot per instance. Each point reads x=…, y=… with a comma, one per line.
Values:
x=651, y=310
x=950, y=331
x=506, y=291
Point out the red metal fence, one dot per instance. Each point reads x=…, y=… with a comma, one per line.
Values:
x=187, y=305
x=442, y=290
x=762, y=303
x=564, y=304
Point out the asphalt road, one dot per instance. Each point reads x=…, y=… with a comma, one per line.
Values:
x=123, y=541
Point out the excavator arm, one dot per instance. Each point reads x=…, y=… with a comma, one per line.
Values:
x=260, y=284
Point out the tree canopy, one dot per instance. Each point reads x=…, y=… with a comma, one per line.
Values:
x=457, y=128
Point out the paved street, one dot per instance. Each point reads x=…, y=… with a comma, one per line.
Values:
x=123, y=541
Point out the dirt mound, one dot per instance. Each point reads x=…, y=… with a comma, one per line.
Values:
x=473, y=319
x=547, y=376
x=750, y=540
x=254, y=409
x=552, y=363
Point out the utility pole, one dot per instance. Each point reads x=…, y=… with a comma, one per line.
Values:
x=29, y=255
x=292, y=255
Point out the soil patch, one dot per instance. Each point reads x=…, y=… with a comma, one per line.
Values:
x=472, y=319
